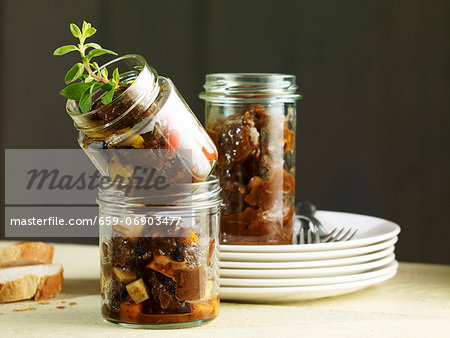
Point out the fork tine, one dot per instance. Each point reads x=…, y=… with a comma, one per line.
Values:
x=309, y=239
x=335, y=237
x=316, y=236
x=313, y=233
x=345, y=236
x=353, y=234
x=327, y=237
x=302, y=236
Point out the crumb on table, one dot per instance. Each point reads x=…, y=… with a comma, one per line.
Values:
x=30, y=308
x=73, y=303
x=60, y=307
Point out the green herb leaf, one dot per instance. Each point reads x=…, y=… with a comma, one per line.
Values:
x=107, y=98
x=96, y=86
x=85, y=102
x=116, y=76
x=99, y=51
x=96, y=66
x=106, y=87
x=74, y=90
x=64, y=50
x=74, y=73
x=88, y=79
x=85, y=26
x=89, y=32
x=104, y=73
x=75, y=30
x=92, y=45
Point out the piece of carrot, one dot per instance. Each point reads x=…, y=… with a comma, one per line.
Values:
x=129, y=312
x=209, y=156
x=174, y=139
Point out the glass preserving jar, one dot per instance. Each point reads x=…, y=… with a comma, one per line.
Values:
x=251, y=119
x=147, y=112
x=159, y=262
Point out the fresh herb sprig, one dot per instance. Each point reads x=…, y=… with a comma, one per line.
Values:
x=87, y=71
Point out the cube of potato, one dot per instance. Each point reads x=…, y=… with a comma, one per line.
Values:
x=166, y=266
x=138, y=291
x=102, y=284
x=124, y=230
x=119, y=171
x=129, y=312
x=135, y=141
x=209, y=289
x=125, y=276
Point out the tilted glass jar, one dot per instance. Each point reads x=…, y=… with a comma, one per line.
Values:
x=147, y=112
x=251, y=119
x=159, y=262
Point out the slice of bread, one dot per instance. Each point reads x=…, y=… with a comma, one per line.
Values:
x=30, y=282
x=26, y=253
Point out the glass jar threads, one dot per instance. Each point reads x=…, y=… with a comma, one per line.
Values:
x=159, y=262
x=251, y=119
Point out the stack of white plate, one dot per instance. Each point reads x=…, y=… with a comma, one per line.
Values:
x=271, y=273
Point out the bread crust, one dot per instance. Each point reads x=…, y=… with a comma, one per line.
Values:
x=26, y=253
x=19, y=289
x=32, y=286
x=49, y=286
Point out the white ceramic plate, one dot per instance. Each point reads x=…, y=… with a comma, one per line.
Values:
x=371, y=230
x=257, y=282
x=308, y=264
x=297, y=293
x=307, y=272
x=304, y=256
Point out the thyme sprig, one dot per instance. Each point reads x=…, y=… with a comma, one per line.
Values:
x=89, y=73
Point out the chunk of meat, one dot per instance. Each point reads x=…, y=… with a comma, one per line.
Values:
x=237, y=138
x=265, y=194
x=189, y=282
x=289, y=139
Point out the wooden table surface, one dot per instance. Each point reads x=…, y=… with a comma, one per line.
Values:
x=415, y=303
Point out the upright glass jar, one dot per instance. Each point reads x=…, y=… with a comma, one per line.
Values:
x=159, y=263
x=251, y=119
x=147, y=112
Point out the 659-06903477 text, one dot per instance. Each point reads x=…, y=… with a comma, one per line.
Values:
x=96, y=221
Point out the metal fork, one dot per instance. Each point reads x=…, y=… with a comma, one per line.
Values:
x=308, y=232
x=306, y=212
x=339, y=236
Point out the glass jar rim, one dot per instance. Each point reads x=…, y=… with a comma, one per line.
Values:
x=141, y=64
x=250, y=86
x=190, y=195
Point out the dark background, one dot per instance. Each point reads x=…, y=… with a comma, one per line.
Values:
x=373, y=127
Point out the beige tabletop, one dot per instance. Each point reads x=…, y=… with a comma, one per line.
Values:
x=415, y=303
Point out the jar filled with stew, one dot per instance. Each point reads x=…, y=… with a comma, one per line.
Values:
x=252, y=118
x=159, y=260
x=147, y=112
